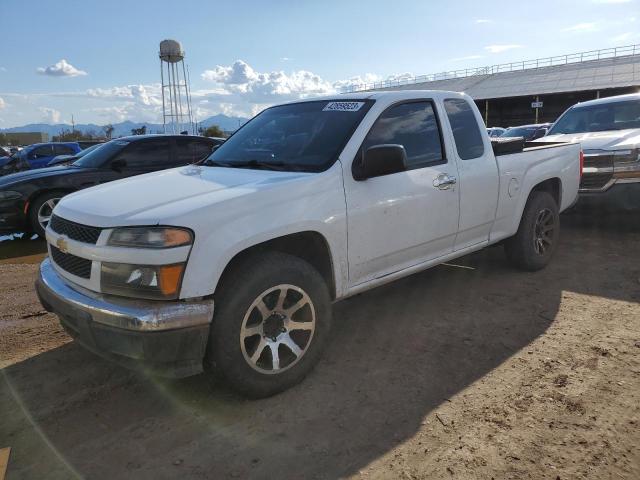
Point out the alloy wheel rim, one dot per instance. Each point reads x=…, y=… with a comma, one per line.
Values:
x=45, y=211
x=277, y=329
x=543, y=231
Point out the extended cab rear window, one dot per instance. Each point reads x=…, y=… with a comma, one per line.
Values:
x=466, y=132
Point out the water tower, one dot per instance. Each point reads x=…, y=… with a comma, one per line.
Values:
x=176, y=94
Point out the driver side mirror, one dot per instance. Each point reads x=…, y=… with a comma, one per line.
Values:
x=118, y=164
x=380, y=160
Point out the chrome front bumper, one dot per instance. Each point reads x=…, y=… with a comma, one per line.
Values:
x=169, y=338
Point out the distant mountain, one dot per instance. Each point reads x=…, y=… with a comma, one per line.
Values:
x=226, y=123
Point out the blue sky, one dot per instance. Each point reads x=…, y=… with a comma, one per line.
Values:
x=98, y=60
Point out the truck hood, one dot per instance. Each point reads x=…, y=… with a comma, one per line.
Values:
x=609, y=140
x=166, y=196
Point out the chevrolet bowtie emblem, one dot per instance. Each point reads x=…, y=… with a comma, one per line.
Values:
x=62, y=244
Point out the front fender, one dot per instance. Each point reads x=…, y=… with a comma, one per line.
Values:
x=317, y=205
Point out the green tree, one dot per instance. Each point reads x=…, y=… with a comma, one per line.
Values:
x=212, y=131
x=67, y=135
x=3, y=139
x=139, y=131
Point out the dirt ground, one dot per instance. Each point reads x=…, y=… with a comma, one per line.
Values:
x=478, y=372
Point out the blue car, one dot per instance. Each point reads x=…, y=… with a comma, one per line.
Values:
x=39, y=155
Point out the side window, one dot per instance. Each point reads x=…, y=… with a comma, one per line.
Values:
x=190, y=150
x=147, y=154
x=466, y=131
x=63, y=150
x=42, y=151
x=412, y=125
x=202, y=149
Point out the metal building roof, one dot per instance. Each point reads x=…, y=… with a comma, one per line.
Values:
x=616, y=71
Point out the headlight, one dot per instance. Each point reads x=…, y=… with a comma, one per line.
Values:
x=10, y=195
x=157, y=282
x=150, y=237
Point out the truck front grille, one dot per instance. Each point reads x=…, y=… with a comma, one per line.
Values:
x=80, y=267
x=75, y=231
x=597, y=180
x=598, y=161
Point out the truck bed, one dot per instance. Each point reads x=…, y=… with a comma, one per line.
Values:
x=507, y=146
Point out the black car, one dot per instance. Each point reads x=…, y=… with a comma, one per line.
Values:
x=528, y=132
x=27, y=198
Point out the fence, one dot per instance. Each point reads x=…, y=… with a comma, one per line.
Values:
x=504, y=67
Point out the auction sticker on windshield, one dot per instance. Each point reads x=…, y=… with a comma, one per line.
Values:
x=343, y=106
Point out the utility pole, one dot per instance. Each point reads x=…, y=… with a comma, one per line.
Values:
x=73, y=124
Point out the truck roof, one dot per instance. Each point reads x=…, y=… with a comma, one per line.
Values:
x=617, y=98
x=389, y=94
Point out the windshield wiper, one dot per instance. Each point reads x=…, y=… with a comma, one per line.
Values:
x=279, y=166
x=253, y=163
x=214, y=163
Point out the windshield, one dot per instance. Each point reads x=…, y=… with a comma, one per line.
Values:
x=526, y=132
x=97, y=157
x=599, y=118
x=90, y=149
x=305, y=136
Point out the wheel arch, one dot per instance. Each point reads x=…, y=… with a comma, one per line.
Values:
x=39, y=193
x=33, y=199
x=551, y=185
x=310, y=246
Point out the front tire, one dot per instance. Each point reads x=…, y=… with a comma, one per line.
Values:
x=532, y=247
x=271, y=322
x=40, y=211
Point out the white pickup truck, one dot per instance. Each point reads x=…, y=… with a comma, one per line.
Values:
x=608, y=129
x=233, y=264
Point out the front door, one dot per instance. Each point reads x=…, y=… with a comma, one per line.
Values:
x=399, y=220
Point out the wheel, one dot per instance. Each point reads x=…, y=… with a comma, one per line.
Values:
x=532, y=247
x=271, y=321
x=40, y=211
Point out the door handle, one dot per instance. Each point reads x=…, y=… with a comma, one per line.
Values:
x=444, y=181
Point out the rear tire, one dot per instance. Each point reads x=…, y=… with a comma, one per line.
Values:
x=532, y=247
x=40, y=211
x=264, y=341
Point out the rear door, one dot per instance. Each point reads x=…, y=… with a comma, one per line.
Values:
x=402, y=219
x=61, y=149
x=478, y=173
x=147, y=155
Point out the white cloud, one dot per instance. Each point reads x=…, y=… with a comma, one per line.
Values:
x=501, y=48
x=2, y=103
x=235, y=90
x=241, y=80
x=366, y=79
x=584, y=27
x=3, y=69
x=609, y=2
x=148, y=95
x=483, y=20
x=50, y=115
x=61, y=69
